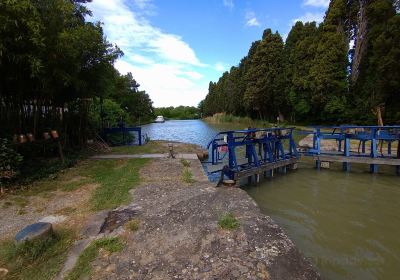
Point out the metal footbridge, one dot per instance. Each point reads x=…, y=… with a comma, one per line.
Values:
x=244, y=153
x=372, y=145
x=253, y=152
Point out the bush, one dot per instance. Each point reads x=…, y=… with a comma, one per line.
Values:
x=187, y=176
x=10, y=162
x=228, y=221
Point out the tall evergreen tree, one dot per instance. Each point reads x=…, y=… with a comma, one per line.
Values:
x=264, y=92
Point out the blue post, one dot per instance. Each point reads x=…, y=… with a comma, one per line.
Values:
x=231, y=151
x=346, y=165
x=140, y=136
x=374, y=153
x=318, y=147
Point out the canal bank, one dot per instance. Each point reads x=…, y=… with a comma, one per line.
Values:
x=347, y=222
x=179, y=236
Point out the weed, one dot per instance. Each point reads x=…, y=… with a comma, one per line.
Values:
x=185, y=163
x=133, y=225
x=228, y=221
x=150, y=147
x=82, y=268
x=36, y=260
x=187, y=176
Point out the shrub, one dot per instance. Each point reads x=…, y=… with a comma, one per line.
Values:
x=10, y=162
x=185, y=163
x=228, y=221
x=187, y=176
x=133, y=225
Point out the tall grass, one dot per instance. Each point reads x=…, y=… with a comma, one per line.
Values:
x=220, y=118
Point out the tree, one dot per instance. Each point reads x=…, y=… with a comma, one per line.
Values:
x=265, y=77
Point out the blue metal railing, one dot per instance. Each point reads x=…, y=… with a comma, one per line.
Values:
x=375, y=135
x=262, y=146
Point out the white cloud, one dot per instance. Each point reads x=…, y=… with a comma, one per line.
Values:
x=309, y=17
x=220, y=67
x=163, y=63
x=251, y=19
x=229, y=4
x=167, y=85
x=317, y=3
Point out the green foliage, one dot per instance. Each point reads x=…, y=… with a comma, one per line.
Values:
x=82, y=269
x=53, y=63
x=265, y=83
x=228, y=221
x=187, y=176
x=185, y=163
x=178, y=113
x=10, y=162
x=36, y=260
x=115, y=179
x=133, y=225
x=313, y=76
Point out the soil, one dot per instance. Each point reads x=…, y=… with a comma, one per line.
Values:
x=179, y=236
x=71, y=205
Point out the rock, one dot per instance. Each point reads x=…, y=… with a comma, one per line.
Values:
x=53, y=219
x=34, y=232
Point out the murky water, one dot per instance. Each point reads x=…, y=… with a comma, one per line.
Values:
x=348, y=224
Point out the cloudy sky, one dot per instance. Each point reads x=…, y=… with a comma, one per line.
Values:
x=175, y=47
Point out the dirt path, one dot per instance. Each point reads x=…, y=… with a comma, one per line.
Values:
x=179, y=237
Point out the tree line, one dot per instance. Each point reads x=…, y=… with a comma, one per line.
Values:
x=178, y=113
x=344, y=70
x=56, y=71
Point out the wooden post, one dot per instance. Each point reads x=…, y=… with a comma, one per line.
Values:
x=60, y=151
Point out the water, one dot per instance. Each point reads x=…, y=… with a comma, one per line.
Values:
x=188, y=131
x=348, y=224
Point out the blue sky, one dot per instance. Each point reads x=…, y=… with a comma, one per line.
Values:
x=175, y=47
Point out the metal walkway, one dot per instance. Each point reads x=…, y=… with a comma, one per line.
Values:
x=244, y=153
x=376, y=146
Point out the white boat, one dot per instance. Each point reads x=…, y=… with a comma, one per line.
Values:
x=159, y=119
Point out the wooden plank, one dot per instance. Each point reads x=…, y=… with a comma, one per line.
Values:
x=365, y=160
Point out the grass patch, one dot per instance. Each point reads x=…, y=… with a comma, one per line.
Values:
x=185, y=163
x=228, y=221
x=133, y=225
x=150, y=147
x=115, y=179
x=38, y=260
x=83, y=268
x=187, y=176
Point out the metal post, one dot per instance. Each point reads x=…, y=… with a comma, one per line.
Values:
x=346, y=165
x=231, y=151
x=140, y=136
x=318, y=147
x=374, y=153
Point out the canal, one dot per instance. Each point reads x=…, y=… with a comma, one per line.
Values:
x=348, y=224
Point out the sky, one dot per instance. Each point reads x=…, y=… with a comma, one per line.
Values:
x=174, y=48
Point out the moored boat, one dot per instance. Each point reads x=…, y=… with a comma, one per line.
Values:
x=159, y=119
